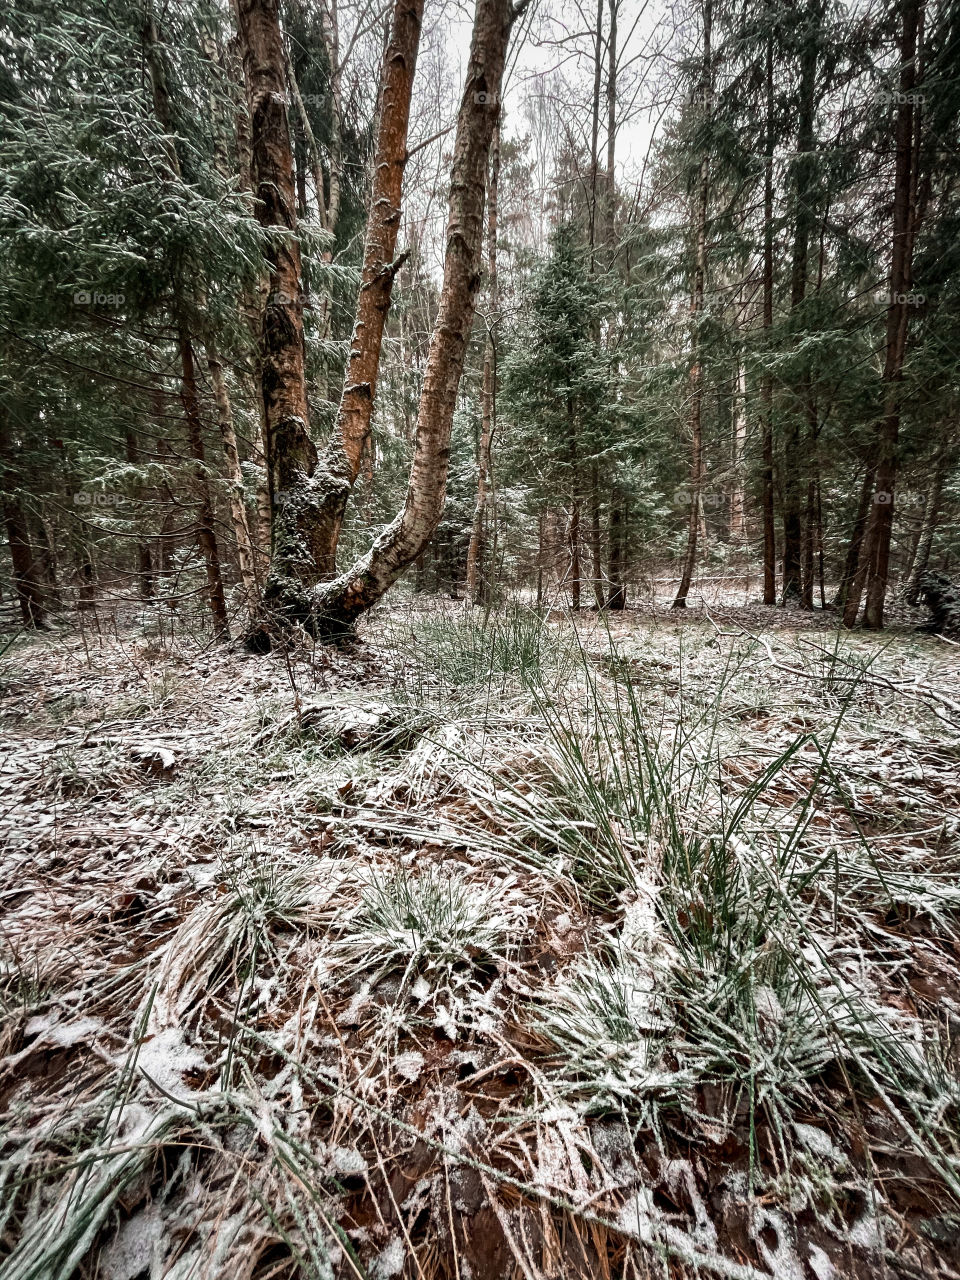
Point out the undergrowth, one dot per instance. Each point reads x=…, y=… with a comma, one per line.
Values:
x=559, y=953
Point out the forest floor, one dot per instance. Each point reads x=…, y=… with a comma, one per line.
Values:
x=496, y=947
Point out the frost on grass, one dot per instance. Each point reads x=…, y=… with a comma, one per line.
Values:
x=492, y=949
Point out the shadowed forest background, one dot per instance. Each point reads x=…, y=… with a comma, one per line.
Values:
x=478, y=639
x=716, y=329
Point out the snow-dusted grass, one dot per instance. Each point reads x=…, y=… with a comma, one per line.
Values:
x=502, y=948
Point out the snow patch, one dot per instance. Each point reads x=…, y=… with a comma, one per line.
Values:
x=390, y=1260
x=409, y=1065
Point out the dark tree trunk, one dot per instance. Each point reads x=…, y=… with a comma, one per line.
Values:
x=766, y=384
x=26, y=567
x=856, y=540
x=599, y=594
x=874, y=558
x=144, y=562
x=27, y=583
x=617, y=596
x=291, y=458
x=476, y=577
x=696, y=311
x=206, y=536
x=794, y=452
x=928, y=527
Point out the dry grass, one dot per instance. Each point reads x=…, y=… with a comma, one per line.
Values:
x=498, y=949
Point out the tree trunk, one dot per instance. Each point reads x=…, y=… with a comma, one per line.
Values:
x=793, y=462
x=617, y=595
x=928, y=527
x=611, y=227
x=26, y=576
x=856, y=540
x=144, y=562
x=340, y=463
x=238, y=510
x=541, y=551
x=49, y=560
x=766, y=382
x=26, y=570
x=807, y=568
x=331, y=39
x=696, y=310
x=874, y=558
x=340, y=603
x=573, y=542
x=206, y=536
x=596, y=566
x=290, y=455
x=738, y=520
x=476, y=581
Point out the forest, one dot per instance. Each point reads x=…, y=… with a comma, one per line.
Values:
x=480, y=639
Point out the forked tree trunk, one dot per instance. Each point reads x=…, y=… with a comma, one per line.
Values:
x=340, y=463
x=874, y=558
x=696, y=310
x=308, y=494
x=339, y=604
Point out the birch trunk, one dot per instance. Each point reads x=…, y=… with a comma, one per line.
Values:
x=339, y=465
x=338, y=605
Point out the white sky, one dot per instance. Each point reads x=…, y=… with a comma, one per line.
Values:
x=550, y=62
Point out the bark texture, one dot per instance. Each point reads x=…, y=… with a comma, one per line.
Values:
x=928, y=527
x=340, y=603
x=341, y=460
x=794, y=453
x=483, y=511
x=696, y=311
x=291, y=457
x=874, y=558
x=206, y=535
x=231, y=454
x=766, y=382
x=26, y=570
